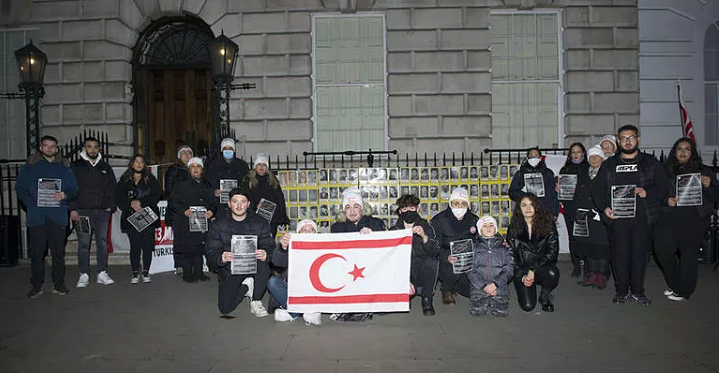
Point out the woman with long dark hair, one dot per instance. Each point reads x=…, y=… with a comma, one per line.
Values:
x=681, y=229
x=263, y=184
x=138, y=189
x=533, y=238
x=576, y=165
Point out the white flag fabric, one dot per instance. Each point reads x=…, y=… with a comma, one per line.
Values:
x=349, y=272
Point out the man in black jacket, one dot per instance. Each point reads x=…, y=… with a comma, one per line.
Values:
x=630, y=189
x=425, y=249
x=455, y=223
x=94, y=204
x=228, y=168
x=218, y=249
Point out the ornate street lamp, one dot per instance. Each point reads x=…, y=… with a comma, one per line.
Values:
x=31, y=61
x=223, y=53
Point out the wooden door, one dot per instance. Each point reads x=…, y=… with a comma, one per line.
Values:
x=178, y=110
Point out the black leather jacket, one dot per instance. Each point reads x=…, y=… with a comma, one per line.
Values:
x=529, y=254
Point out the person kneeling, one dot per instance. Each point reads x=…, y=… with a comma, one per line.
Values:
x=492, y=268
x=218, y=249
x=277, y=285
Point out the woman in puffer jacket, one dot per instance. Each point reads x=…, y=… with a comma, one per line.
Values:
x=533, y=238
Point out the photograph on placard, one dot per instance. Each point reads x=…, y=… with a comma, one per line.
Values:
x=454, y=174
x=303, y=212
x=392, y=174
x=312, y=178
x=313, y=212
x=404, y=190
x=423, y=192
x=424, y=175
x=504, y=190
x=424, y=209
x=302, y=196
x=343, y=176
x=473, y=173
x=474, y=191
x=414, y=190
x=434, y=174
x=485, y=191
x=444, y=174
x=293, y=196
x=383, y=193
x=503, y=172
x=493, y=172
x=494, y=191
x=334, y=194
x=474, y=206
x=444, y=195
x=312, y=195
x=302, y=178
x=485, y=208
x=293, y=212
x=393, y=195
x=433, y=192
x=333, y=176
x=352, y=178
x=464, y=173
x=324, y=194
x=324, y=211
x=414, y=175
x=504, y=207
x=484, y=173
x=495, y=208
x=513, y=170
x=404, y=174
x=322, y=176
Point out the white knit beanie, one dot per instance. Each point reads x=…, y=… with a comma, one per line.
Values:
x=460, y=194
x=304, y=222
x=227, y=142
x=195, y=160
x=261, y=158
x=595, y=150
x=351, y=196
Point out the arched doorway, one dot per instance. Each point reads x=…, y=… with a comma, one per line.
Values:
x=172, y=83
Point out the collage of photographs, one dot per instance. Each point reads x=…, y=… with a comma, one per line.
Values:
x=317, y=194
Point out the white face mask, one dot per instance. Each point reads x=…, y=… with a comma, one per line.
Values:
x=459, y=213
x=533, y=161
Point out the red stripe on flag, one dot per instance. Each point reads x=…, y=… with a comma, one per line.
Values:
x=353, y=244
x=350, y=299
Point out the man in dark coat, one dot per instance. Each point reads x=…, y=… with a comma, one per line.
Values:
x=230, y=169
x=95, y=202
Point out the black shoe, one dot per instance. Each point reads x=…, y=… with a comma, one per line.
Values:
x=427, y=307
x=202, y=278
x=620, y=299
x=545, y=299
x=642, y=299
x=35, y=292
x=189, y=279
x=60, y=289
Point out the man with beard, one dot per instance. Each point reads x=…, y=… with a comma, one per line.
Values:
x=630, y=233
x=95, y=202
x=46, y=221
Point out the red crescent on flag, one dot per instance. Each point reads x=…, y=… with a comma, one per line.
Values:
x=315, y=273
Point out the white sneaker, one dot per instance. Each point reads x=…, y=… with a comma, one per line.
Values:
x=250, y=283
x=257, y=309
x=135, y=279
x=146, y=278
x=676, y=298
x=283, y=316
x=668, y=292
x=83, y=281
x=312, y=318
x=104, y=278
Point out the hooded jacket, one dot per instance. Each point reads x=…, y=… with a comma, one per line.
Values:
x=531, y=253
x=366, y=221
x=26, y=188
x=96, y=183
x=652, y=177
x=549, y=201
x=492, y=263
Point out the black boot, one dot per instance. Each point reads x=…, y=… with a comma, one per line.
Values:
x=577, y=263
x=187, y=274
x=545, y=299
x=427, y=307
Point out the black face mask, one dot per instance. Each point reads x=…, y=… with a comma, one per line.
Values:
x=409, y=217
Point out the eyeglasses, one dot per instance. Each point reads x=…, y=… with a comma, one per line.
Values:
x=627, y=138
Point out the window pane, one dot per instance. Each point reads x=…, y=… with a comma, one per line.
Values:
x=711, y=113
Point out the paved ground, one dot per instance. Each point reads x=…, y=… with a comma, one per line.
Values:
x=170, y=326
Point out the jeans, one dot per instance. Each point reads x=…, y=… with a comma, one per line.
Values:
x=48, y=236
x=277, y=286
x=99, y=220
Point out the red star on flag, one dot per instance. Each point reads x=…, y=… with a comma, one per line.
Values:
x=356, y=273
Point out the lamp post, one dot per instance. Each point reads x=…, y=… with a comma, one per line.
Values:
x=223, y=54
x=31, y=61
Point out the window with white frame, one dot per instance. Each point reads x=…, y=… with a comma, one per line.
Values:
x=526, y=79
x=349, y=82
x=711, y=84
x=12, y=112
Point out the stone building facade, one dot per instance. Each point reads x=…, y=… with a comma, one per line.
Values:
x=438, y=65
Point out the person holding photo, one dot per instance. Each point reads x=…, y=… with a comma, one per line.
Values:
x=681, y=229
x=194, y=192
x=176, y=173
x=630, y=232
x=536, y=171
x=137, y=189
x=534, y=241
x=229, y=167
x=263, y=184
x=577, y=166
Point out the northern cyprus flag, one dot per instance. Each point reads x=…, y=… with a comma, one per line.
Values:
x=349, y=272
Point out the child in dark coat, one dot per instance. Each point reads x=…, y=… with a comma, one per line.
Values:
x=492, y=268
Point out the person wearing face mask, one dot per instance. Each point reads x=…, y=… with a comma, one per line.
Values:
x=46, y=224
x=630, y=232
x=608, y=144
x=194, y=192
x=228, y=168
x=355, y=217
x=576, y=164
x=592, y=243
x=263, y=184
x=534, y=177
x=174, y=175
x=96, y=202
x=425, y=249
x=534, y=241
x=682, y=228
x=277, y=285
x=453, y=224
